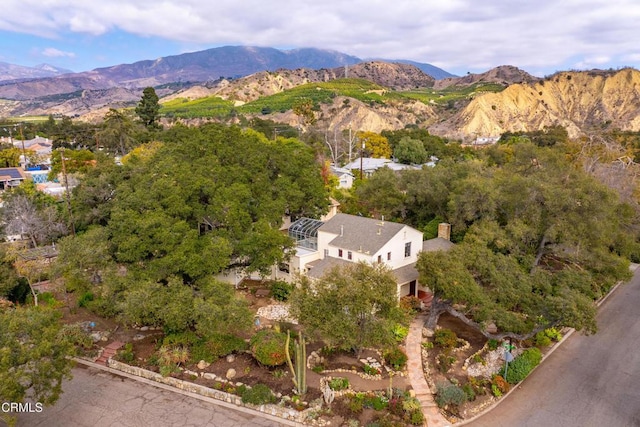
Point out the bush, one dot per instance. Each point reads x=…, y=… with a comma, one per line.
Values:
x=267, y=347
x=77, y=336
x=85, y=299
x=400, y=332
x=370, y=370
x=449, y=394
x=522, y=365
x=222, y=344
x=446, y=361
x=542, y=340
x=469, y=391
x=445, y=338
x=493, y=344
x=185, y=339
x=356, y=404
x=280, y=291
x=396, y=358
x=410, y=304
x=126, y=354
x=339, y=383
x=498, y=382
x=259, y=394
x=416, y=418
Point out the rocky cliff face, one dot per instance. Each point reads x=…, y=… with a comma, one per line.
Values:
x=504, y=74
x=576, y=100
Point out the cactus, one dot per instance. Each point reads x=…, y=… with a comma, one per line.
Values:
x=299, y=371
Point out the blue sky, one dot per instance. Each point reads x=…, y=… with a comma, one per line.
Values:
x=459, y=36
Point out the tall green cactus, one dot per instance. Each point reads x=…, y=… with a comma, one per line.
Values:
x=299, y=371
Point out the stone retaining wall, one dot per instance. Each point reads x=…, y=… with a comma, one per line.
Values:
x=275, y=410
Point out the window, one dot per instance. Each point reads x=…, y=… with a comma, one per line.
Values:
x=326, y=253
x=388, y=256
x=379, y=259
x=407, y=249
x=349, y=255
x=340, y=253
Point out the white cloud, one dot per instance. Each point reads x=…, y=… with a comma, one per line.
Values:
x=456, y=34
x=56, y=53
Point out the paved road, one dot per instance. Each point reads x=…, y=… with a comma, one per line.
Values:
x=98, y=399
x=590, y=381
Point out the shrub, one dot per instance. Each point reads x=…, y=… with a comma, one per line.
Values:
x=396, y=358
x=416, y=418
x=222, y=344
x=356, y=404
x=47, y=298
x=449, y=394
x=267, y=347
x=126, y=354
x=410, y=304
x=553, y=333
x=542, y=340
x=496, y=390
x=411, y=404
x=378, y=403
x=400, y=332
x=186, y=339
x=259, y=394
x=445, y=338
x=370, y=370
x=493, y=344
x=469, y=391
x=523, y=365
x=77, y=336
x=339, y=383
x=446, y=361
x=499, y=382
x=85, y=299
x=280, y=290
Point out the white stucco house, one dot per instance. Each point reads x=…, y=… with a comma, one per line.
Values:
x=349, y=239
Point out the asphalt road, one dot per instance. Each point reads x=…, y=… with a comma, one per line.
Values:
x=94, y=398
x=589, y=381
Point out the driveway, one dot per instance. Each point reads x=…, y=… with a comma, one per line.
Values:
x=589, y=381
x=95, y=398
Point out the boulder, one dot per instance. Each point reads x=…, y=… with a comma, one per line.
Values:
x=231, y=358
x=231, y=373
x=203, y=365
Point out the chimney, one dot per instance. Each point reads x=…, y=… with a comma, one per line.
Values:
x=444, y=230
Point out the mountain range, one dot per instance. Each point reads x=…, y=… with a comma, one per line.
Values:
x=502, y=99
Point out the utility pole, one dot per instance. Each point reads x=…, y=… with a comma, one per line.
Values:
x=361, y=156
x=24, y=152
x=66, y=186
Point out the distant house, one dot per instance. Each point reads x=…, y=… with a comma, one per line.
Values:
x=11, y=177
x=344, y=239
x=345, y=176
x=370, y=165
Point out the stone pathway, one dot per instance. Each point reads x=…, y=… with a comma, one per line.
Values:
x=108, y=352
x=432, y=415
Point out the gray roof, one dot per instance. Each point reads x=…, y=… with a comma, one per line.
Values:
x=437, y=244
x=320, y=267
x=360, y=234
x=406, y=274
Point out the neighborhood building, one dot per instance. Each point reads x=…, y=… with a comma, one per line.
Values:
x=11, y=177
x=370, y=164
x=322, y=245
x=345, y=176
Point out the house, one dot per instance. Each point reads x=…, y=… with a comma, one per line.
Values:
x=344, y=239
x=345, y=176
x=369, y=165
x=11, y=177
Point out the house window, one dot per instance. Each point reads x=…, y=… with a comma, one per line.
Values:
x=326, y=253
x=340, y=253
x=349, y=255
x=379, y=259
x=407, y=249
x=388, y=256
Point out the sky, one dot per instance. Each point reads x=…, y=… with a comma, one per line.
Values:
x=459, y=36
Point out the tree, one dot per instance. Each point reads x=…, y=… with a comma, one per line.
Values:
x=375, y=145
x=303, y=108
x=351, y=307
x=117, y=132
x=24, y=217
x=410, y=151
x=540, y=241
x=34, y=355
x=148, y=108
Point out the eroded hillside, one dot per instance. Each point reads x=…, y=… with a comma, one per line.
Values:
x=578, y=101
